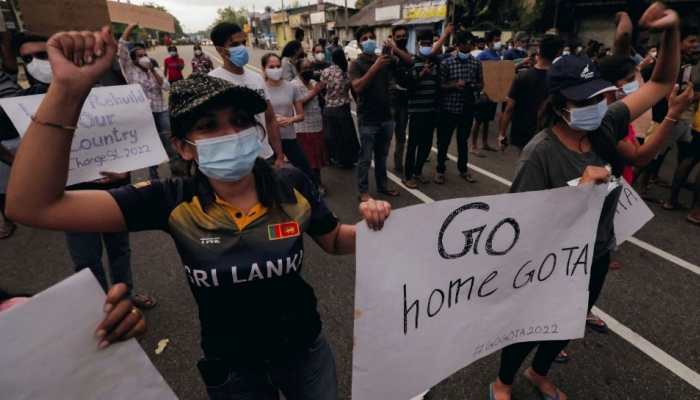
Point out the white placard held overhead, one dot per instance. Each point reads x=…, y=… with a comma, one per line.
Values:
x=447, y=283
x=632, y=213
x=116, y=131
x=49, y=350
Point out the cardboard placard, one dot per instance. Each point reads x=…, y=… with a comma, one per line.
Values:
x=498, y=77
x=146, y=17
x=45, y=18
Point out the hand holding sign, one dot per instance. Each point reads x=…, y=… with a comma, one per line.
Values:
x=78, y=59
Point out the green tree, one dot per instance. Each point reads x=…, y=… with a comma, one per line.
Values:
x=229, y=14
x=178, y=28
x=361, y=3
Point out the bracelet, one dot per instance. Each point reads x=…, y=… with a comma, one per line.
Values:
x=51, y=124
x=675, y=121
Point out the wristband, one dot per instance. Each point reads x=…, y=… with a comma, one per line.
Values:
x=675, y=121
x=51, y=124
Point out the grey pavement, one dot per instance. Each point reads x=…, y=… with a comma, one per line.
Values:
x=650, y=295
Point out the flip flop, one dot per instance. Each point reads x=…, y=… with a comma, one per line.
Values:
x=592, y=323
x=543, y=395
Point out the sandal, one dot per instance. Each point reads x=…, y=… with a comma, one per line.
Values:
x=390, y=192
x=467, y=177
x=668, y=206
x=411, y=183
x=543, y=396
x=143, y=301
x=597, y=324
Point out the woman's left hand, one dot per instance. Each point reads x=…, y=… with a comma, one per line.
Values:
x=122, y=320
x=375, y=212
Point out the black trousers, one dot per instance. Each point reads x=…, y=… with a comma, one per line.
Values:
x=420, y=140
x=296, y=156
x=512, y=356
x=448, y=123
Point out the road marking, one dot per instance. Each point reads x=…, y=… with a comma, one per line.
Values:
x=635, y=339
x=633, y=240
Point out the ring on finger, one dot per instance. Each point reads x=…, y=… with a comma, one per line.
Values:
x=135, y=311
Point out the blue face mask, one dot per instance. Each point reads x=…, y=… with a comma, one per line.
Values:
x=425, y=51
x=228, y=158
x=462, y=56
x=588, y=118
x=238, y=55
x=369, y=46
x=630, y=87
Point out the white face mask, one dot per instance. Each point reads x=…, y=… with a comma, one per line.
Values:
x=145, y=62
x=198, y=52
x=497, y=45
x=173, y=53
x=320, y=57
x=274, y=74
x=40, y=70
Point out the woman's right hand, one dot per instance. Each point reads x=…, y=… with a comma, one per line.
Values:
x=122, y=320
x=679, y=102
x=79, y=59
x=594, y=174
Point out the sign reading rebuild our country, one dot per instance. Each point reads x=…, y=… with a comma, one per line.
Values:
x=116, y=131
x=472, y=276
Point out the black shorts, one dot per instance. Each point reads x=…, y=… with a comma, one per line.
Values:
x=485, y=111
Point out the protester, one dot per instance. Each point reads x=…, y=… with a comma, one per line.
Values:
x=137, y=68
x=581, y=136
x=370, y=78
x=423, y=84
x=460, y=79
x=230, y=42
x=340, y=135
x=201, y=63
x=399, y=95
x=485, y=109
x=479, y=45
x=288, y=108
x=526, y=96
x=519, y=52
x=332, y=47
x=318, y=63
x=291, y=54
x=173, y=65
x=309, y=131
x=268, y=346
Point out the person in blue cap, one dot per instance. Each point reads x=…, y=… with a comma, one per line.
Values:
x=581, y=136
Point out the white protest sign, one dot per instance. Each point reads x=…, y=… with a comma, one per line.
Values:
x=49, y=350
x=471, y=276
x=631, y=215
x=116, y=131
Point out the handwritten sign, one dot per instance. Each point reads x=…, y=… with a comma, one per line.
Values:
x=631, y=215
x=146, y=17
x=50, y=351
x=116, y=131
x=48, y=17
x=474, y=275
x=498, y=77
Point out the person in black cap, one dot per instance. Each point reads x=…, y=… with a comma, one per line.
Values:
x=581, y=136
x=237, y=225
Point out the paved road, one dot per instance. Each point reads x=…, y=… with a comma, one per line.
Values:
x=654, y=354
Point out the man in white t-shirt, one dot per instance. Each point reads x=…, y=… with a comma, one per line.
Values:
x=230, y=42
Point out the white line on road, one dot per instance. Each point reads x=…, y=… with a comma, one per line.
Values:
x=635, y=339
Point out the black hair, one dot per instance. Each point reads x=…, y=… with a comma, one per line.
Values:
x=688, y=30
x=463, y=37
x=317, y=45
x=134, y=47
x=322, y=42
x=291, y=49
x=299, y=34
x=335, y=40
x=490, y=35
x=361, y=31
x=550, y=47
x=425, y=34
x=338, y=58
x=266, y=58
x=21, y=38
x=172, y=48
x=616, y=67
x=397, y=28
x=222, y=32
x=197, y=46
x=603, y=145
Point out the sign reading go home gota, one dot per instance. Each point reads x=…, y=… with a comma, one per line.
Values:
x=447, y=283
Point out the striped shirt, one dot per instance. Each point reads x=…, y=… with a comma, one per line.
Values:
x=423, y=90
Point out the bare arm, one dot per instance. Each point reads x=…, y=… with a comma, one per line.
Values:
x=36, y=193
x=312, y=93
x=437, y=46
x=273, y=134
x=342, y=239
x=127, y=32
x=623, y=34
x=666, y=69
x=358, y=85
x=506, y=117
x=298, y=112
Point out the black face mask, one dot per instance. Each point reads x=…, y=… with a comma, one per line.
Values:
x=402, y=43
x=307, y=75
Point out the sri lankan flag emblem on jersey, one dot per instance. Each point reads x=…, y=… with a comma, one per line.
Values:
x=283, y=231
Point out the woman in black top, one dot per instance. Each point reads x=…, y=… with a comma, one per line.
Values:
x=581, y=136
x=237, y=225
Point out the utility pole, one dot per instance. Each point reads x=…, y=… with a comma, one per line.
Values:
x=556, y=15
x=347, y=27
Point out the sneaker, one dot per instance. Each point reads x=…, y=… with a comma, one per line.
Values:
x=439, y=178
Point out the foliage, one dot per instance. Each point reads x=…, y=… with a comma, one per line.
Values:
x=361, y=3
x=229, y=14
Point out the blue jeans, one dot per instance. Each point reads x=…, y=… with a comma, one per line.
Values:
x=308, y=375
x=374, y=142
x=86, y=252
